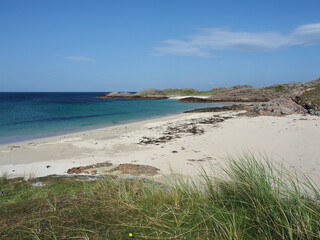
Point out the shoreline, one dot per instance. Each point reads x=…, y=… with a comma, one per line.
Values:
x=97, y=127
x=19, y=139
x=76, y=132
x=292, y=139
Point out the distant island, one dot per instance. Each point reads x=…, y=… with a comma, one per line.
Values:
x=290, y=97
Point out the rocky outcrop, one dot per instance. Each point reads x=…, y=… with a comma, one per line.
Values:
x=180, y=91
x=131, y=96
x=85, y=169
x=242, y=87
x=194, y=100
x=312, y=83
x=247, y=93
x=117, y=94
x=235, y=107
x=278, y=107
x=150, y=92
x=309, y=99
x=240, y=95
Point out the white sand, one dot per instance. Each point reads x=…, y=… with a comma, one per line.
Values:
x=293, y=140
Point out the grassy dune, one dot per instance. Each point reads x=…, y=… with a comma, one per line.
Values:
x=252, y=199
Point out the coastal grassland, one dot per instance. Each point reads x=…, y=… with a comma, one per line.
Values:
x=250, y=199
x=311, y=98
x=277, y=89
x=186, y=92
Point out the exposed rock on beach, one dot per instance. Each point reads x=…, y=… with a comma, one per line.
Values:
x=235, y=107
x=278, y=107
x=89, y=169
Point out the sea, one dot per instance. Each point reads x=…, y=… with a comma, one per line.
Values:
x=27, y=115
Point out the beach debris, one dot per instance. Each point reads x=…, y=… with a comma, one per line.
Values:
x=136, y=169
x=13, y=147
x=199, y=160
x=148, y=140
x=177, y=130
x=37, y=184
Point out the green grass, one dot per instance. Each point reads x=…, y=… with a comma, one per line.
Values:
x=311, y=98
x=277, y=89
x=251, y=199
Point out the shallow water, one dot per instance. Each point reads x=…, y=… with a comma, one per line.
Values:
x=32, y=115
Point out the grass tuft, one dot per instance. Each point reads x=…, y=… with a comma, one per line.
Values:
x=251, y=199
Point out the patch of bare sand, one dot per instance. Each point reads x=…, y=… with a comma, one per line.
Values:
x=178, y=143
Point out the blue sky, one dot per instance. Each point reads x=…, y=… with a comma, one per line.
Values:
x=76, y=45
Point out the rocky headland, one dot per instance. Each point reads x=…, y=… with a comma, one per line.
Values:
x=146, y=94
x=279, y=99
x=275, y=107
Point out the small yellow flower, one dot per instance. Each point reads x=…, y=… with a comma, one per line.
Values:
x=130, y=235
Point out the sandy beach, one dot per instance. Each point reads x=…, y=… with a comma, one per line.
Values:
x=177, y=144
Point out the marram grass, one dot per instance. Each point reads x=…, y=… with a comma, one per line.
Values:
x=251, y=199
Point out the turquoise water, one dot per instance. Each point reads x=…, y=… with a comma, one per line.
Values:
x=32, y=115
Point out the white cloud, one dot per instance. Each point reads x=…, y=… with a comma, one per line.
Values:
x=215, y=39
x=80, y=59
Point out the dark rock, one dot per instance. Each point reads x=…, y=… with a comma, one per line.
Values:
x=235, y=107
x=174, y=132
x=195, y=100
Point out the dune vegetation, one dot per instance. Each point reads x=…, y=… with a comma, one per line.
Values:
x=251, y=198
